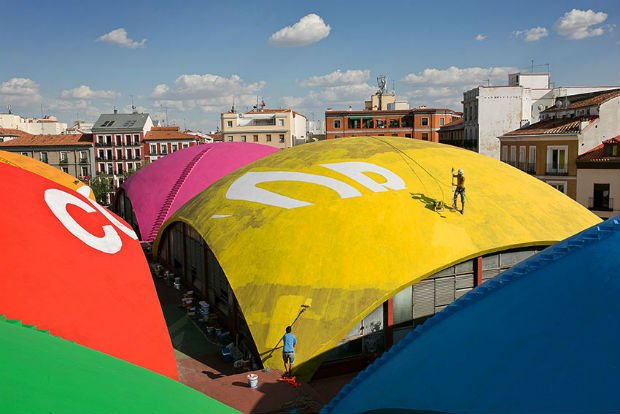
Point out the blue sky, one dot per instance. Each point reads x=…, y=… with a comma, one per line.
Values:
x=84, y=57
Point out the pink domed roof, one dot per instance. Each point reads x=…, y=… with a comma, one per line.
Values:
x=161, y=188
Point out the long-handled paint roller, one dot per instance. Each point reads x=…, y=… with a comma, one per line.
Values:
x=305, y=306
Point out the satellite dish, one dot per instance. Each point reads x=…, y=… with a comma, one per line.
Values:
x=541, y=107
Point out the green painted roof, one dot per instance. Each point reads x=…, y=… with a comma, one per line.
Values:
x=41, y=373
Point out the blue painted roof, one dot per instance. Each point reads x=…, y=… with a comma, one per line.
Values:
x=543, y=337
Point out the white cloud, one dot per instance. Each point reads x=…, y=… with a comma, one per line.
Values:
x=338, y=77
x=119, y=37
x=577, y=24
x=292, y=101
x=19, y=92
x=533, y=34
x=85, y=92
x=342, y=95
x=211, y=93
x=309, y=29
x=480, y=37
x=458, y=76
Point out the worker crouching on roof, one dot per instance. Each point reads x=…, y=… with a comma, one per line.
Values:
x=460, y=189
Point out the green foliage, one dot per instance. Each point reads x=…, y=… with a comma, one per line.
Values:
x=101, y=186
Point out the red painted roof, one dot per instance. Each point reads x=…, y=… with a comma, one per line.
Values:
x=553, y=126
x=60, y=140
x=586, y=99
x=9, y=132
x=598, y=153
x=167, y=133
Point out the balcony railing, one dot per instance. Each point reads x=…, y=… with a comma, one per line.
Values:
x=64, y=161
x=83, y=161
x=530, y=167
x=555, y=170
x=601, y=204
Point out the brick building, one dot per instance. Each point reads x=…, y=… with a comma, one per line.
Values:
x=164, y=140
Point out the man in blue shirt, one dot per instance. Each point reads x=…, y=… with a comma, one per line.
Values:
x=288, y=351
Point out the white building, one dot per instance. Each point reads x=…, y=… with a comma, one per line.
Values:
x=491, y=111
x=280, y=128
x=47, y=125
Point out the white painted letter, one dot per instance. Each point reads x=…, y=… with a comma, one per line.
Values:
x=244, y=188
x=85, y=191
x=355, y=170
x=57, y=202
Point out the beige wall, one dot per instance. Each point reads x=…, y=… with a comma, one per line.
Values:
x=586, y=178
x=73, y=166
x=259, y=133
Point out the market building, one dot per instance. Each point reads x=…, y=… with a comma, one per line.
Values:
x=349, y=241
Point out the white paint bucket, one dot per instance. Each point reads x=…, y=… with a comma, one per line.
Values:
x=252, y=380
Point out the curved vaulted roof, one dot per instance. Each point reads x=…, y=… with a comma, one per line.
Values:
x=46, y=374
x=71, y=267
x=44, y=170
x=541, y=337
x=347, y=223
x=160, y=188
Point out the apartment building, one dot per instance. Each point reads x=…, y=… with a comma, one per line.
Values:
x=164, y=140
x=598, y=178
x=279, y=128
x=549, y=148
x=71, y=153
x=452, y=134
x=491, y=111
x=119, y=140
x=419, y=123
x=48, y=125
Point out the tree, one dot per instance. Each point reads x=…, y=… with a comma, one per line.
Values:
x=102, y=185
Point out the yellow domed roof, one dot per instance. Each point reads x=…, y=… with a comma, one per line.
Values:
x=347, y=223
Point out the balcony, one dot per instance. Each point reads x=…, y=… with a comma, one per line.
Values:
x=601, y=204
x=83, y=161
x=530, y=168
x=554, y=169
x=64, y=161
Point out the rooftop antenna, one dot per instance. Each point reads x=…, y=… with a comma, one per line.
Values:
x=394, y=87
x=184, y=125
x=232, y=109
x=133, y=107
x=166, y=108
x=9, y=108
x=381, y=82
x=532, y=62
x=42, y=111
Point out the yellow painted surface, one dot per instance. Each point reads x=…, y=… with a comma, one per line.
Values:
x=350, y=255
x=42, y=169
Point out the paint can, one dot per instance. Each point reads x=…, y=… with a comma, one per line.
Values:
x=252, y=380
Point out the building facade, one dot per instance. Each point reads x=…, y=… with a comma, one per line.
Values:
x=452, y=134
x=279, y=128
x=119, y=141
x=164, y=140
x=48, y=125
x=70, y=153
x=598, y=178
x=549, y=148
x=420, y=123
x=491, y=111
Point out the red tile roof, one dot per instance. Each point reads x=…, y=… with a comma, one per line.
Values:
x=167, y=133
x=61, y=140
x=597, y=154
x=9, y=132
x=586, y=99
x=553, y=126
x=454, y=124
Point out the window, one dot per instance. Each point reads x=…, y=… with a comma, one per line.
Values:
x=281, y=138
x=84, y=171
x=380, y=123
x=153, y=149
x=43, y=157
x=83, y=156
x=102, y=168
x=243, y=138
x=505, y=153
x=175, y=147
x=611, y=150
x=601, y=200
x=367, y=122
x=557, y=160
x=268, y=137
x=119, y=168
x=185, y=145
x=108, y=140
x=128, y=140
x=522, y=157
x=424, y=136
x=394, y=123
x=163, y=148
x=354, y=122
x=442, y=121
x=110, y=169
x=531, y=160
x=337, y=123
x=65, y=169
x=230, y=138
x=64, y=158
x=424, y=121
x=119, y=140
x=407, y=135
x=513, y=155
x=136, y=139
x=229, y=124
x=101, y=154
x=100, y=140
x=129, y=166
x=25, y=154
x=255, y=138
x=129, y=154
x=558, y=185
x=138, y=154
x=107, y=123
x=281, y=122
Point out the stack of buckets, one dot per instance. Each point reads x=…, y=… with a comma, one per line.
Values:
x=252, y=380
x=204, y=310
